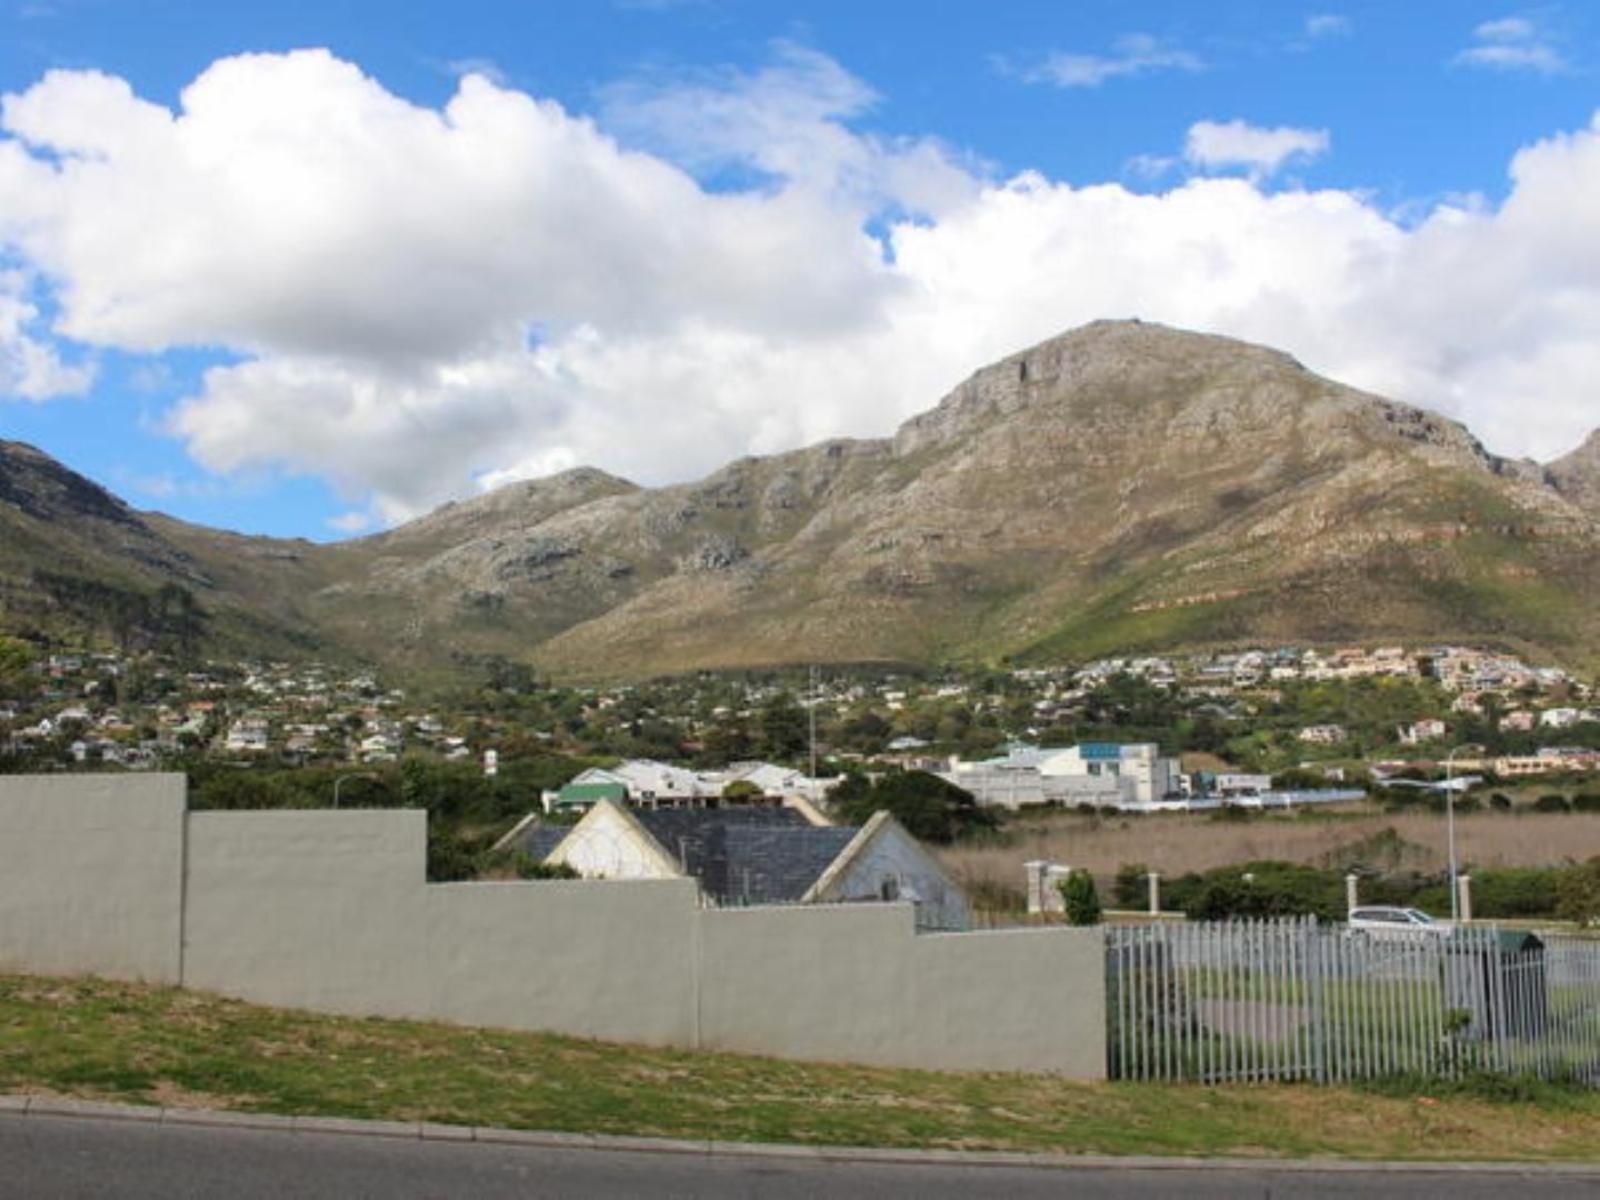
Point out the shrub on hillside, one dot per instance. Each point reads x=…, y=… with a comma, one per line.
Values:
x=1552, y=802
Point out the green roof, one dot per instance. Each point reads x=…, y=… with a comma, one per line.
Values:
x=590, y=793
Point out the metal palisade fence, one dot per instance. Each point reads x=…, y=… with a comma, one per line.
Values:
x=1292, y=998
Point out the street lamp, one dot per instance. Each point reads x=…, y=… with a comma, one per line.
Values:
x=342, y=778
x=1450, y=826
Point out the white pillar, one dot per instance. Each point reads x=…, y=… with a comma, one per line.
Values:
x=1036, y=869
x=1350, y=900
x=1153, y=880
x=1464, y=887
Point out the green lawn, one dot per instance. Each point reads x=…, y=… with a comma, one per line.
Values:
x=92, y=1039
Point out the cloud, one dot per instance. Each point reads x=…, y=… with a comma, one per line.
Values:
x=1328, y=25
x=350, y=522
x=417, y=302
x=30, y=365
x=1133, y=54
x=1213, y=145
x=786, y=123
x=485, y=67
x=1513, y=44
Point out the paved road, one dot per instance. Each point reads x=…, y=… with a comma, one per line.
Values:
x=64, y=1158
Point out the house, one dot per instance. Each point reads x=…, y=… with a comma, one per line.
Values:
x=1323, y=735
x=650, y=784
x=1428, y=730
x=756, y=855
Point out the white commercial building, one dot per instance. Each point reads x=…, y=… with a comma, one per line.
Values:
x=1099, y=773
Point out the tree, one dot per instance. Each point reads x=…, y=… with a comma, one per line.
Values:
x=1578, y=893
x=783, y=728
x=1079, y=900
x=929, y=807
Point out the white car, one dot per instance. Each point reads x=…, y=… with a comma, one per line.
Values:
x=1383, y=921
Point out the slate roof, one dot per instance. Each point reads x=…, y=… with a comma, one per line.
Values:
x=715, y=846
x=740, y=855
x=767, y=865
x=538, y=839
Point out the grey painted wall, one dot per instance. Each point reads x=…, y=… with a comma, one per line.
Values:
x=330, y=911
x=91, y=874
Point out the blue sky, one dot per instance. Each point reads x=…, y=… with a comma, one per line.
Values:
x=312, y=294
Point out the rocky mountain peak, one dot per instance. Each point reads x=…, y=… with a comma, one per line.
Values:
x=1577, y=475
x=42, y=487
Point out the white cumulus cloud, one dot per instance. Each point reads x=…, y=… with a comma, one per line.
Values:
x=423, y=301
x=30, y=365
x=1221, y=144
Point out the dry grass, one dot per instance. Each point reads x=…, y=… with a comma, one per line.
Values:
x=1177, y=843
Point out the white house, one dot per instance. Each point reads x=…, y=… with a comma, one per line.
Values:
x=1427, y=730
x=1323, y=735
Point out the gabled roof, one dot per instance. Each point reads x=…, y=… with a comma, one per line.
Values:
x=741, y=855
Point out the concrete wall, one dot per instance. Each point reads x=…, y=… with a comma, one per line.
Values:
x=91, y=874
x=330, y=911
x=855, y=983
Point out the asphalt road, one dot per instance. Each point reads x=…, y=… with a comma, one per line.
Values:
x=64, y=1158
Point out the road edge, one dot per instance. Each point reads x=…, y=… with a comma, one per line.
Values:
x=24, y=1106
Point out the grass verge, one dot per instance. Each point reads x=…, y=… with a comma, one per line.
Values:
x=99, y=1040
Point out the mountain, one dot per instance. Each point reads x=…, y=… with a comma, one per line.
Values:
x=1577, y=476
x=1121, y=487
x=76, y=562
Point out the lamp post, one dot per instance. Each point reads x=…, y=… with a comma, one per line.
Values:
x=342, y=778
x=1450, y=827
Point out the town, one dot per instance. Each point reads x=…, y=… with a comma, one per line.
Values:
x=1313, y=718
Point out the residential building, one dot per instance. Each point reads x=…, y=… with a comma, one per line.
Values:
x=753, y=855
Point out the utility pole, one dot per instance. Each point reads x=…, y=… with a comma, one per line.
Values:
x=811, y=709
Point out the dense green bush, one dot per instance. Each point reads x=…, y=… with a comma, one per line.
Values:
x=1552, y=802
x=1130, y=887
x=1259, y=889
x=1578, y=893
x=929, y=807
x=1080, y=901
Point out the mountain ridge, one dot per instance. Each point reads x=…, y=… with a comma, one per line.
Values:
x=1121, y=485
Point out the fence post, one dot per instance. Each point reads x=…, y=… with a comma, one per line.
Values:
x=1464, y=892
x=1153, y=882
x=1312, y=936
x=1350, y=900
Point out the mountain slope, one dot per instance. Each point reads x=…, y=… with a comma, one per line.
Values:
x=78, y=563
x=1577, y=475
x=1121, y=486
